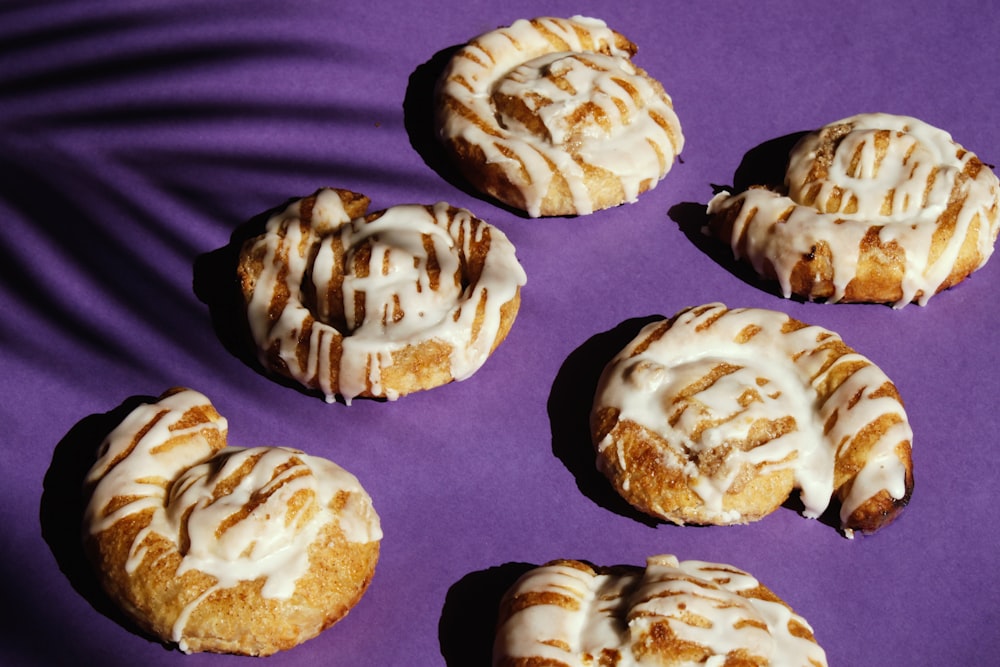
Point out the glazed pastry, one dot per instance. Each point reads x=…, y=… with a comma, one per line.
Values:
x=715, y=416
x=551, y=116
x=568, y=613
x=377, y=305
x=224, y=549
x=876, y=208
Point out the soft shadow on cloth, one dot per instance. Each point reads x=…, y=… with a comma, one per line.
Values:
x=108, y=136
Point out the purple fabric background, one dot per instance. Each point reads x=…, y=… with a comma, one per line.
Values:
x=137, y=138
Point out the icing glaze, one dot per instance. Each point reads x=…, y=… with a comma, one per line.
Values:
x=763, y=369
x=237, y=514
x=555, y=96
x=897, y=175
x=379, y=284
x=567, y=614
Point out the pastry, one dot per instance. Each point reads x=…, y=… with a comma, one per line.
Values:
x=219, y=548
x=715, y=416
x=380, y=304
x=670, y=614
x=550, y=116
x=875, y=208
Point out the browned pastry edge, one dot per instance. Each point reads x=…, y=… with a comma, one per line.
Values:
x=663, y=492
x=236, y=620
x=880, y=267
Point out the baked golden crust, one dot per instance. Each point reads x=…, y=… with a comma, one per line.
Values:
x=875, y=208
x=550, y=116
x=381, y=304
x=716, y=416
x=220, y=549
x=569, y=612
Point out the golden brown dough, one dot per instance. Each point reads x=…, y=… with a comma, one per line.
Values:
x=876, y=208
x=669, y=614
x=223, y=549
x=550, y=116
x=717, y=415
x=377, y=304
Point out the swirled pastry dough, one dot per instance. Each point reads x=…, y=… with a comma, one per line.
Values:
x=671, y=613
x=715, y=416
x=219, y=548
x=877, y=208
x=550, y=116
x=380, y=304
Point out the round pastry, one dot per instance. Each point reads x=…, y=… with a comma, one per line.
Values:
x=716, y=416
x=876, y=208
x=224, y=549
x=669, y=614
x=377, y=305
x=551, y=116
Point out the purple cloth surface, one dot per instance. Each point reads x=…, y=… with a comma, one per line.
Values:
x=137, y=138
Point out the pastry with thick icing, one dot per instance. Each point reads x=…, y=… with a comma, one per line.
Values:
x=550, y=116
x=569, y=613
x=875, y=208
x=717, y=415
x=219, y=548
x=379, y=304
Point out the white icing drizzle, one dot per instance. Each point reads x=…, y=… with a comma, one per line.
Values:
x=649, y=382
x=162, y=460
x=394, y=302
x=594, y=109
x=609, y=617
x=904, y=194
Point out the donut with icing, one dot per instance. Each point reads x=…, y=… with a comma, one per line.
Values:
x=377, y=304
x=550, y=116
x=875, y=208
x=670, y=613
x=223, y=549
x=717, y=415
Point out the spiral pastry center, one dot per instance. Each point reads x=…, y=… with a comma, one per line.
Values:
x=728, y=410
x=398, y=277
x=564, y=98
x=242, y=505
x=875, y=173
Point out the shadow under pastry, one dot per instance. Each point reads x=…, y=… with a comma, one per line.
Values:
x=763, y=165
x=471, y=609
x=217, y=285
x=569, y=406
x=63, y=502
x=419, y=111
